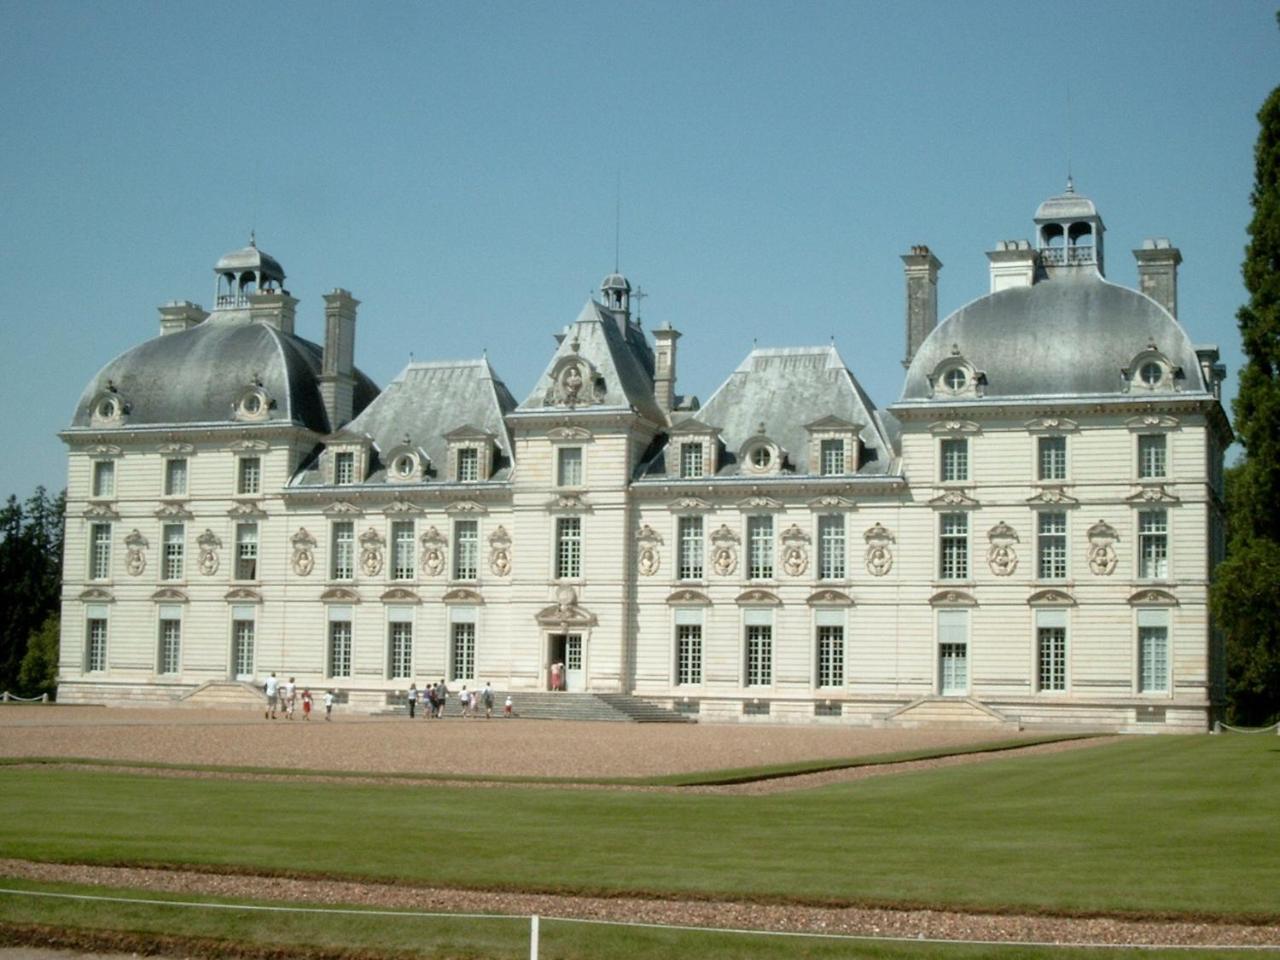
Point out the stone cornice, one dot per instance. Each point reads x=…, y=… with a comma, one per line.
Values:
x=736, y=488
x=186, y=434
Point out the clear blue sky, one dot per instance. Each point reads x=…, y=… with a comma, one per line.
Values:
x=455, y=166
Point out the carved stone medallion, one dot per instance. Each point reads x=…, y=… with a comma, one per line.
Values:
x=724, y=551
x=304, y=552
x=371, y=550
x=649, y=558
x=500, y=552
x=209, y=545
x=1002, y=557
x=433, y=552
x=795, y=553
x=879, y=552
x=135, y=559
x=1102, y=551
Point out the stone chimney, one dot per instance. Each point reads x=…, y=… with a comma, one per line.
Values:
x=1158, y=272
x=1212, y=371
x=1013, y=264
x=337, y=369
x=664, y=367
x=179, y=315
x=922, y=297
x=273, y=308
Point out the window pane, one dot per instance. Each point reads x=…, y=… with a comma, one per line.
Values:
x=691, y=550
x=246, y=551
x=1052, y=642
x=760, y=545
x=1151, y=455
x=568, y=547
x=1053, y=546
x=466, y=549
x=1053, y=458
x=170, y=645
x=100, y=551
x=250, y=480
x=174, y=550
x=468, y=465
x=242, y=635
x=688, y=653
x=954, y=547
x=340, y=648
x=1153, y=544
x=1153, y=659
x=691, y=460
x=401, y=650
x=831, y=656
x=343, y=551
x=833, y=459
x=955, y=460
x=759, y=656
x=344, y=468
x=104, y=478
x=402, y=557
x=831, y=548
x=569, y=469
x=95, y=659
x=463, y=659
x=175, y=478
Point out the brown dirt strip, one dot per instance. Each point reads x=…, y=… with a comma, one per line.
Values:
x=772, y=784
x=721, y=914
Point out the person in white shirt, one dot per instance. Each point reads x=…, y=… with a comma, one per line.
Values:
x=328, y=704
x=272, y=689
x=290, y=698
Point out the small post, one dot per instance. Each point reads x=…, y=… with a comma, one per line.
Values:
x=44, y=698
x=1217, y=726
x=533, y=937
x=6, y=696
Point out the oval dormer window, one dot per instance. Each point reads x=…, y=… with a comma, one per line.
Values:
x=252, y=404
x=955, y=379
x=404, y=466
x=1151, y=373
x=108, y=408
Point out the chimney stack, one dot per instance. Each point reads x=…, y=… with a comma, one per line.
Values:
x=922, y=297
x=337, y=370
x=664, y=363
x=1013, y=264
x=1158, y=272
x=179, y=315
x=274, y=308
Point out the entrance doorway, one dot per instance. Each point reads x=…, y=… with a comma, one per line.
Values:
x=565, y=651
x=242, y=649
x=953, y=669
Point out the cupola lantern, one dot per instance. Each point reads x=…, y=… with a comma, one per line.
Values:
x=1069, y=232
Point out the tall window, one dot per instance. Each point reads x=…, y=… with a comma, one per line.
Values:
x=249, y=477
x=1153, y=544
x=568, y=547
x=339, y=661
x=468, y=464
x=99, y=551
x=344, y=467
x=402, y=563
x=466, y=549
x=1153, y=659
x=955, y=460
x=174, y=550
x=954, y=552
x=400, y=650
x=170, y=643
x=1152, y=455
x=1052, y=555
x=242, y=634
x=246, y=551
x=569, y=466
x=691, y=549
x=463, y=660
x=1052, y=458
x=175, y=477
x=832, y=457
x=691, y=460
x=759, y=655
x=343, y=563
x=1052, y=654
x=830, y=656
x=831, y=547
x=95, y=648
x=688, y=653
x=760, y=547
x=104, y=478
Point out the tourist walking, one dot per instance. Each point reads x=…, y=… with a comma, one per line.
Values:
x=487, y=699
x=442, y=698
x=290, y=698
x=506, y=708
x=413, y=699
x=271, y=688
x=328, y=704
x=306, y=704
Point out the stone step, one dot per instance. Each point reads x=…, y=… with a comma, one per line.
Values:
x=607, y=707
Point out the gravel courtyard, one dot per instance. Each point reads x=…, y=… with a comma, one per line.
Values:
x=453, y=746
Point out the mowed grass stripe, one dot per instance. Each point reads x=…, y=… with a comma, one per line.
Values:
x=1154, y=825
x=196, y=931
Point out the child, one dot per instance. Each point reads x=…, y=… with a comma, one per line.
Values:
x=506, y=708
x=306, y=704
x=328, y=704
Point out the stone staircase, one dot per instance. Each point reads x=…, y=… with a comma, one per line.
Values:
x=937, y=711
x=224, y=695
x=536, y=705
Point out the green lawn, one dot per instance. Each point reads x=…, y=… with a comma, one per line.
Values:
x=382, y=934
x=1149, y=824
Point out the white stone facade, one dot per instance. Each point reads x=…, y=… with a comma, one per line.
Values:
x=986, y=550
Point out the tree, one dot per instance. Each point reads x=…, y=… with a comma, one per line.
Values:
x=31, y=535
x=39, y=671
x=1246, y=592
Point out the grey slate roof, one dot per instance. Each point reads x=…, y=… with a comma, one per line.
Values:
x=426, y=401
x=621, y=355
x=1071, y=334
x=788, y=388
x=196, y=375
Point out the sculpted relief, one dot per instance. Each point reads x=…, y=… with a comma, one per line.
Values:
x=208, y=544
x=724, y=551
x=433, y=552
x=1102, y=551
x=500, y=552
x=649, y=559
x=879, y=550
x=1002, y=558
x=304, y=552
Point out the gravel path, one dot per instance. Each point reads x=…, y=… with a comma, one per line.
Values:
x=704, y=913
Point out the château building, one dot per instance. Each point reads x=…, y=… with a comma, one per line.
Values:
x=1026, y=535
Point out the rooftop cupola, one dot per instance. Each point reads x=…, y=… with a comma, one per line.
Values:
x=615, y=290
x=1069, y=232
x=245, y=272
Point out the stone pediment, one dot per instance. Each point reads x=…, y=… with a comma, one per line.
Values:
x=96, y=595
x=568, y=503
x=173, y=511
x=829, y=598
x=468, y=432
x=760, y=502
x=174, y=447
x=246, y=510
x=400, y=595
x=952, y=598
x=1053, y=495
x=246, y=445
x=953, y=498
x=1152, y=597
x=831, y=501
x=1153, y=493
x=342, y=508
x=689, y=504
x=243, y=595
x=1052, y=425
x=466, y=506
x=100, y=511
x=340, y=595
x=169, y=595
x=575, y=434
x=1152, y=422
x=833, y=424
x=757, y=598
x=464, y=595
x=1051, y=597
x=104, y=450
x=953, y=427
x=691, y=425
x=566, y=612
x=687, y=597
x=402, y=508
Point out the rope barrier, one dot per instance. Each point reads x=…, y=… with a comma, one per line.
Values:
x=7, y=696
x=535, y=918
x=1219, y=726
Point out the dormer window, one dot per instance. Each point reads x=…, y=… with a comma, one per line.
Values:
x=404, y=465
x=832, y=458
x=760, y=458
x=1151, y=373
x=108, y=408
x=833, y=446
x=468, y=465
x=691, y=460
x=252, y=403
x=471, y=454
x=692, y=450
x=344, y=468
x=955, y=379
x=346, y=461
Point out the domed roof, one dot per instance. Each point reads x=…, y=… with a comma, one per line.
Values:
x=1069, y=335
x=1068, y=205
x=199, y=375
x=615, y=281
x=250, y=258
